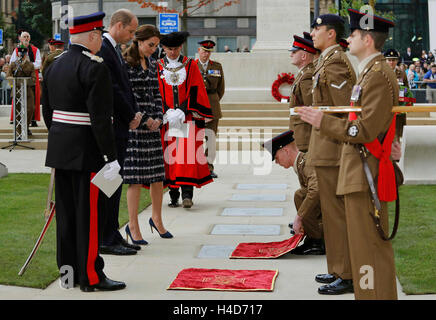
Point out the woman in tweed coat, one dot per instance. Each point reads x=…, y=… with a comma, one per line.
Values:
x=144, y=164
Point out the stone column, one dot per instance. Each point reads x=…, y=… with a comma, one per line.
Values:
x=278, y=20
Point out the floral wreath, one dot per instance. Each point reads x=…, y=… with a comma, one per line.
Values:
x=281, y=79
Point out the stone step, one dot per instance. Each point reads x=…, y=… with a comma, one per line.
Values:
x=255, y=113
x=255, y=122
x=254, y=106
x=35, y=135
x=421, y=121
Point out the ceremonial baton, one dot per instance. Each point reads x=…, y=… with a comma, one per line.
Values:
x=347, y=109
x=48, y=215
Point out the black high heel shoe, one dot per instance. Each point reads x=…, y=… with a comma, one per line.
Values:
x=165, y=235
x=138, y=242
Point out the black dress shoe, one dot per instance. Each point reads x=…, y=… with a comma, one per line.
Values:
x=213, y=175
x=310, y=247
x=187, y=203
x=33, y=123
x=338, y=286
x=174, y=204
x=105, y=284
x=325, y=278
x=117, y=250
x=124, y=243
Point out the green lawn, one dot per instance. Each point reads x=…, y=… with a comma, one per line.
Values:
x=22, y=204
x=415, y=243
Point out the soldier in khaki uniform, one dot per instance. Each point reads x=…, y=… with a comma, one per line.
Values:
x=213, y=77
x=302, y=53
x=392, y=56
x=308, y=219
x=333, y=79
x=372, y=258
x=56, y=48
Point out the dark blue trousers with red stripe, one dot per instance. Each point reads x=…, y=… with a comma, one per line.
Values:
x=78, y=204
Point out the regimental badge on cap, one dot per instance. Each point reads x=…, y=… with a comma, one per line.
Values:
x=207, y=45
x=318, y=20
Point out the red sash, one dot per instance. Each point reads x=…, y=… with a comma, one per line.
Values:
x=386, y=188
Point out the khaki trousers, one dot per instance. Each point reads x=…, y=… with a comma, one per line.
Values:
x=372, y=258
x=334, y=223
x=211, y=132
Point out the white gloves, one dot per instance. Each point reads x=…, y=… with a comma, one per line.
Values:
x=175, y=117
x=112, y=172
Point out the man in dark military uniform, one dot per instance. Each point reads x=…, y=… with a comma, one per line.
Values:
x=77, y=111
x=376, y=91
x=56, y=48
x=333, y=79
x=213, y=77
x=308, y=219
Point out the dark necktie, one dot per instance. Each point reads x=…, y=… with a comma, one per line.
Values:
x=119, y=54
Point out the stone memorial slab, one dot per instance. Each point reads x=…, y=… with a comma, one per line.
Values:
x=237, y=212
x=258, y=197
x=214, y=251
x=261, y=186
x=246, y=229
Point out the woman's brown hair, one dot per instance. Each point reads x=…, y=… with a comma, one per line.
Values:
x=144, y=32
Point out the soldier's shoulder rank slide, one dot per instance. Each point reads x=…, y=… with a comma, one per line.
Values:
x=93, y=57
x=214, y=73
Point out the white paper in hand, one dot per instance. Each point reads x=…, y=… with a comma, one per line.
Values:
x=107, y=186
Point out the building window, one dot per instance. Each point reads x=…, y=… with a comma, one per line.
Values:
x=193, y=45
x=147, y=20
x=226, y=41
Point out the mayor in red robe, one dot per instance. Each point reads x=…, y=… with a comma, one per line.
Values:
x=185, y=106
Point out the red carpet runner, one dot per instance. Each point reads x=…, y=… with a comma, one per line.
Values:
x=259, y=250
x=225, y=280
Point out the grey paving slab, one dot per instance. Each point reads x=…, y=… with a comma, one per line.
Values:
x=262, y=186
x=237, y=212
x=215, y=251
x=246, y=229
x=258, y=197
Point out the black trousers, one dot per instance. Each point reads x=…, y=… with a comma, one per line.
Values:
x=78, y=222
x=187, y=192
x=111, y=235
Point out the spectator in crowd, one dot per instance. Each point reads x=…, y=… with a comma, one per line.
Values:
x=8, y=58
x=144, y=163
x=420, y=74
x=430, y=58
x=412, y=76
x=403, y=67
x=227, y=49
x=424, y=56
x=245, y=49
x=5, y=86
x=425, y=67
x=430, y=80
x=408, y=56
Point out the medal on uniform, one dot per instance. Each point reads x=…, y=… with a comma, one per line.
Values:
x=402, y=93
x=355, y=94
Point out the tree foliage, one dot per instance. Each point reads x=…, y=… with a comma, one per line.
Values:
x=35, y=17
x=357, y=4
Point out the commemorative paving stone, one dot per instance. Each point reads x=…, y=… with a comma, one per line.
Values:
x=261, y=186
x=258, y=197
x=271, y=212
x=246, y=229
x=215, y=251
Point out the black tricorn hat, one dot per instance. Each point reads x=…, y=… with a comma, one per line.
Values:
x=278, y=142
x=174, y=39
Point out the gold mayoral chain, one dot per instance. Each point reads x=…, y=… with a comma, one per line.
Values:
x=174, y=76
